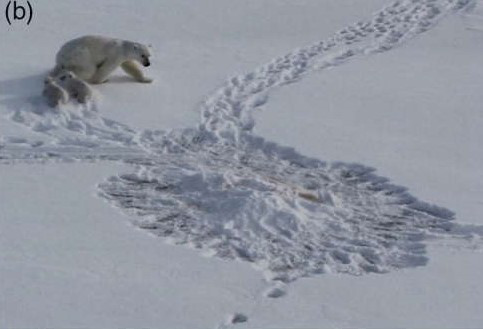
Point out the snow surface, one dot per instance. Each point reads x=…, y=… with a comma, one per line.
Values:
x=391, y=101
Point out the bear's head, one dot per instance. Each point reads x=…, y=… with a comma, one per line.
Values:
x=138, y=52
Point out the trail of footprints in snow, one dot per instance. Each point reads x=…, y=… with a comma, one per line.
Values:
x=229, y=112
x=220, y=188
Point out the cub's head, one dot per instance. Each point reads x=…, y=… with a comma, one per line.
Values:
x=66, y=76
x=139, y=53
x=48, y=80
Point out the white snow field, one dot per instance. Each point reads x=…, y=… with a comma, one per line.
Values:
x=289, y=206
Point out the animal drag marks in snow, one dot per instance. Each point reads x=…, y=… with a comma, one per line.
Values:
x=220, y=188
x=75, y=125
x=74, y=131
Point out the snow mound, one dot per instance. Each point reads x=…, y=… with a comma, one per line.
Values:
x=288, y=219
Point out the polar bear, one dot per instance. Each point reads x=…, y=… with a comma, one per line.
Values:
x=77, y=88
x=92, y=58
x=53, y=93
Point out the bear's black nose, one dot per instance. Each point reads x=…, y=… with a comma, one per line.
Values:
x=146, y=64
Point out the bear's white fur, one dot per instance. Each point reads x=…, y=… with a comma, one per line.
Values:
x=77, y=88
x=93, y=58
x=53, y=93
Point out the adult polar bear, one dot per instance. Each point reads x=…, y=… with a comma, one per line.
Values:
x=92, y=58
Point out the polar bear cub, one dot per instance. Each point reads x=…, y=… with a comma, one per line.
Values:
x=53, y=93
x=94, y=58
x=77, y=88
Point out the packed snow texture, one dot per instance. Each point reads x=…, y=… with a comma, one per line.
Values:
x=221, y=188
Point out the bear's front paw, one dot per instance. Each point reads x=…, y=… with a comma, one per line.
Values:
x=146, y=80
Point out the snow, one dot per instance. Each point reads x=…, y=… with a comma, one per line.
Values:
x=378, y=93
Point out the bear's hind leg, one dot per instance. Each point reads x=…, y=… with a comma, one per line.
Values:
x=86, y=72
x=133, y=70
x=102, y=72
